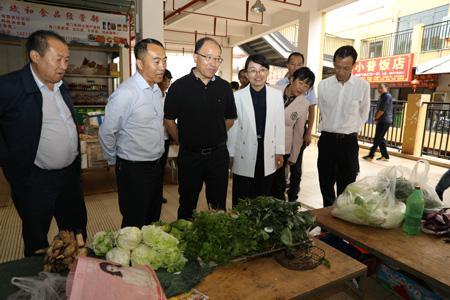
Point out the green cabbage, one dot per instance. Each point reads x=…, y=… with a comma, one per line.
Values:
x=119, y=255
x=144, y=255
x=129, y=238
x=103, y=242
x=166, y=252
x=155, y=237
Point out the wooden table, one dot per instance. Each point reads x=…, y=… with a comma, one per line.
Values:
x=264, y=278
x=424, y=256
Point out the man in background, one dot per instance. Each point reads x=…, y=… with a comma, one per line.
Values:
x=383, y=118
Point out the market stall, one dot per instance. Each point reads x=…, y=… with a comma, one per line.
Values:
x=425, y=256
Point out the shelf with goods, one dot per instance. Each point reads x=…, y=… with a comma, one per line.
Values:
x=92, y=76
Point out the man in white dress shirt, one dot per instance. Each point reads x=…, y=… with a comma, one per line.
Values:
x=132, y=136
x=344, y=103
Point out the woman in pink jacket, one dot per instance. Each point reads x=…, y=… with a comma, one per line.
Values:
x=295, y=116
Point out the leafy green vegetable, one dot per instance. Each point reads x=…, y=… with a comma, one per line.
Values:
x=103, y=242
x=119, y=255
x=217, y=236
x=144, y=255
x=129, y=238
x=289, y=225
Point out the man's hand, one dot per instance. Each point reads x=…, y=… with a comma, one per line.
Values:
x=307, y=138
x=278, y=160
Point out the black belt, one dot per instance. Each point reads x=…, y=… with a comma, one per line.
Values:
x=203, y=150
x=339, y=135
x=137, y=162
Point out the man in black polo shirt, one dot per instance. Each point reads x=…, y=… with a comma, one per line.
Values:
x=203, y=105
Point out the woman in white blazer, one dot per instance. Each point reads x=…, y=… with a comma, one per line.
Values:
x=256, y=140
x=296, y=108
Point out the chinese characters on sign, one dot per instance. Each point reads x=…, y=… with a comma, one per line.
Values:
x=22, y=18
x=396, y=68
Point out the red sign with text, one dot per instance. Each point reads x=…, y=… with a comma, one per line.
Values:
x=397, y=68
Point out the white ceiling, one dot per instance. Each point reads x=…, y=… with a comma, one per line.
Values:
x=227, y=21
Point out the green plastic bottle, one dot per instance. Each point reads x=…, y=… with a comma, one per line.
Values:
x=414, y=211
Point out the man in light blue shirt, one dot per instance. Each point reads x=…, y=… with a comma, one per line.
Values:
x=132, y=136
x=295, y=61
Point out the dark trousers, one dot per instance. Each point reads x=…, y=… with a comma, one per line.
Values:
x=379, y=141
x=279, y=181
x=139, y=190
x=194, y=169
x=259, y=185
x=337, y=163
x=295, y=177
x=163, y=164
x=47, y=194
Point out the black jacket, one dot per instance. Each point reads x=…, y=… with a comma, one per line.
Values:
x=21, y=122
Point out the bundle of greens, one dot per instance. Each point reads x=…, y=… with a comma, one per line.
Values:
x=278, y=223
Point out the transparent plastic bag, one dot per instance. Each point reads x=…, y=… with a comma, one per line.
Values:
x=371, y=201
x=46, y=286
x=417, y=178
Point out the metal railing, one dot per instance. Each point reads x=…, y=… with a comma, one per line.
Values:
x=394, y=135
x=386, y=45
x=291, y=34
x=436, y=36
x=436, y=134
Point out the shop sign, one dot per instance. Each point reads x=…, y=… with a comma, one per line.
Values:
x=22, y=18
x=396, y=68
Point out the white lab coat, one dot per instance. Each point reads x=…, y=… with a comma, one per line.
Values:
x=242, y=140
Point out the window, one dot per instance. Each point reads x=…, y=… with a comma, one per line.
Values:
x=426, y=17
x=375, y=49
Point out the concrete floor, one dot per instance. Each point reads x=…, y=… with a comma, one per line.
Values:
x=103, y=212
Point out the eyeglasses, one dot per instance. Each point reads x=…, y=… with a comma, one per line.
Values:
x=254, y=71
x=209, y=58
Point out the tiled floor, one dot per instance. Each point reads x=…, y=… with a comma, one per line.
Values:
x=103, y=213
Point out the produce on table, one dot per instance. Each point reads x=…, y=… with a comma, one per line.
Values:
x=168, y=254
x=103, y=242
x=404, y=188
x=256, y=225
x=63, y=250
x=150, y=246
x=370, y=201
x=437, y=223
x=129, y=237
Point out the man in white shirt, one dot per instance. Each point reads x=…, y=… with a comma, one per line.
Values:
x=344, y=103
x=132, y=136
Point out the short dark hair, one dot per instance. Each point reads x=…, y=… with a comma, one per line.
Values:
x=167, y=75
x=199, y=44
x=234, y=85
x=241, y=71
x=141, y=47
x=344, y=52
x=296, y=54
x=38, y=41
x=257, y=59
x=304, y=74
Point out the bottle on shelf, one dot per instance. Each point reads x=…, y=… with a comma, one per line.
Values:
x=414, y=211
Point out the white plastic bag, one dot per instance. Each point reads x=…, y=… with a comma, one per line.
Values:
x=371, y=201
x=46, y=286
x=417, y=178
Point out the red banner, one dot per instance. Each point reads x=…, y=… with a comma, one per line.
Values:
x=396, y=68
